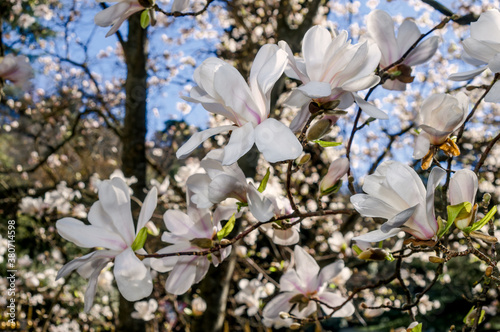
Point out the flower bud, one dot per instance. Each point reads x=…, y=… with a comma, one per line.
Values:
x=489, y=271
x=202, y=243
x=373, y=254
x=435, y=259
x=319, y=129
x=284, y=315
x=331, y=183
x=295, y=326
x=199, y=306
x=484, y=237
x=304, y=159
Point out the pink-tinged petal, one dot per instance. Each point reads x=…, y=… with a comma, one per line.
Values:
x=148, y=208
x=398, y=220
x=115, y=199
x=482, y=51
x=201, y=269
x=286, y=237
x=180, y=5
x=290, y=282
x=92, y=285
x=369, y=206
x=178, y=223
x=436, y=136
x=276, y=141
x=88, y=261
x=329, y=272
x=182, y=277
x=237, y=96
x=261, y=207
x=296, y=68
x=377, y=235
x=314, y=48
x=198, y=190
x=315, y=89
x=423, y=52
x=241, y=141
x=381, y=29
x=111, y=14
x=436, y=175
x=467, y=75
x=422, y=146
x=394, y=85
x=369, y=109
x=278, y=304
x=405, y=182
x=204, y=76
x=198, y=138
x=493, y=96
x=463, y=187
x=334, y=300
x=203, y=226
x=132, y=277
x=487, y=27
x=408, y=33
x=88, y=236
x=361, y=83
x=224, y=186
x=306, y=267
x=301, y=118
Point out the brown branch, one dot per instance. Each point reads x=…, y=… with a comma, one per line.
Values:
x=484, y=155
x=179, y=14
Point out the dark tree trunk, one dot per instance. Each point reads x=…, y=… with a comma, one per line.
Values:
x=134, y=136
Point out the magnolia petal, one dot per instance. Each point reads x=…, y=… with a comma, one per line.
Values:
x=92, y=285
x=224, y=186
x=198, y=190
x=300, y=119
x=369, y=109
x=493, y=96
x=377, y=235
x=408, y=33
x=479, y=50
x=394, y=85
x=109, y=15
x=84, y=260
x=276, y=141
x=361, y=83
x=182, y=277
x=115, y=199
x=306, y=267
x=278, y=304
x=201, y=269
x=198, y=138
x=261, y=207
x=369, y=206
x=241, y=141
x=203, y=226
x=314, y=47
x=290, y=282
x=285, y=237
x=463, y=187
x=132, y=277
x=398, y=220
x=178, y=223
x=422, y=145
x=329, y=272
x=316, y=89
x=381, y=29
x=89, y=236
x=147, y=209
x=467, y=75
x=487, y=27
x=333, y=300
x=423, y=52
x=436, y=175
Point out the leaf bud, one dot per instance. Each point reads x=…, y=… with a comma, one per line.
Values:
x=295, y=326
x=484, y=237
x=225, y=242
x=202, y=243
x=284, y=315
x=373, y=254
x=304, y=159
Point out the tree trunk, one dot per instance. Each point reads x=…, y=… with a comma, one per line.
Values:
x=134, y=136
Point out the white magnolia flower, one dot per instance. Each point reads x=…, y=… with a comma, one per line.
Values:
x=331, y=69
x=145, y=310
x=483, y=48
x=304, y=284
x=463, y=188
x=284, y=236
x=111, y=227
x=440, y=115
x=250, y=294
x=194, y=231
x=117, y=14
x=16, y=69
x=198, y=306
x=222, y=90
x=380, y=28
x=395, y=192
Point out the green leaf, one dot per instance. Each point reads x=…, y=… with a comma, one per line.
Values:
x=145, y=19
x=325, y=144
x=356, y=249
x=241, y=205
x=484, y=221
x=140, y=239
x=228, y=227
x=455, y=210
x=263, y=184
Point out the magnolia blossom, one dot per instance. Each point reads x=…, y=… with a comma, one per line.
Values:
x=16, y=69
x=145, y=310
x=381, y=29
x=482, y=48
x=194, y=231
x=304, y=288
x=111, y=227
x=117, y=14
x=222, y=90
x=250, y=295
x=395, y=192
x=463, y=188
x=331, y=181
x=331, y=69
x=439, y=116
x=281, y=234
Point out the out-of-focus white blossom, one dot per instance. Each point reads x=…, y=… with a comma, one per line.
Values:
x=145, y=310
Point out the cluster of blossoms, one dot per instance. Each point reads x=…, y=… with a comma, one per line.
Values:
x=332, y=71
